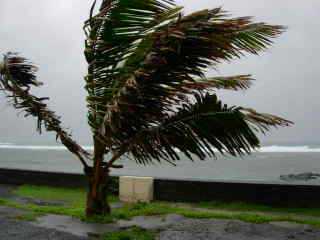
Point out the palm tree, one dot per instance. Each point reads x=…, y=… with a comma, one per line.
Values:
x=148, y=95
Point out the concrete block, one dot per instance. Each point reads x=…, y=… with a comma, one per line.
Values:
x=143, y=189
x=136, y=189
x=126, y=186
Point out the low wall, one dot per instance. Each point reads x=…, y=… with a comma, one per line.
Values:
x=271, y=194
x=186, y=191
x=14, y=176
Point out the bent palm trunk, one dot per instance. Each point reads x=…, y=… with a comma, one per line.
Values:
x=98, y=178
x=97, y=203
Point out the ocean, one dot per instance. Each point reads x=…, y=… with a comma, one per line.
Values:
x=265, y=166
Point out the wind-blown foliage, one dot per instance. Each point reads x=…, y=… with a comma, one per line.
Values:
x=148, y=94
x=116, y=33
x=197, y=128
x=16, y=76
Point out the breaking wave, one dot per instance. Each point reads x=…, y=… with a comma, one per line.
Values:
x=265, y=149
x=36, y=147
x=289, y=149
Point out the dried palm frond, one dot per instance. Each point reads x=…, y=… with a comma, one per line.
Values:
x=19, y=70
x=16, y=76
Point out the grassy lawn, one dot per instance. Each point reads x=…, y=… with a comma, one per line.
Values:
x=70, y=196
x=75, y=197
x=74, y=204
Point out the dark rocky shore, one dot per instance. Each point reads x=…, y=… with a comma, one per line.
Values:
x=307, y=176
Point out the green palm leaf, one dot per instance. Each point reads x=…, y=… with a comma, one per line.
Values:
x=200, y=129
x=117, y=39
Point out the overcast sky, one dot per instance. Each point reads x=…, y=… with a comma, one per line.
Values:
x=50, y=33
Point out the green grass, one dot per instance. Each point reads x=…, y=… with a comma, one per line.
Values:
x=73, y=202
x=68, y=196
x=152, y=209
x=74, y=206
x=59, y=210
x=131, y=234
x=74, y=197
x=249, y=207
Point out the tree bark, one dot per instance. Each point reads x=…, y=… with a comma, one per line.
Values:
x=97, y=203
x=98, y=177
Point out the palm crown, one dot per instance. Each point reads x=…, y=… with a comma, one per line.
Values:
x=148, y=94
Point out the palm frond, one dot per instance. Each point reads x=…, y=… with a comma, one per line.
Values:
x=200, y=129
x=20, y=71
x=180, y=52
x=119, y=31
x=262, y=121
x=16, y=76
x=239, y=82
x=146, y=59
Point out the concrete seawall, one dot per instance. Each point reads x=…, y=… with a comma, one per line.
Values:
x=185, y=191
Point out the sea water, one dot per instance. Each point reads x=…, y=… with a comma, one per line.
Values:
x=266, y=165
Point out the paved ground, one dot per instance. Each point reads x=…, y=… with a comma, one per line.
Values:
x=171, y=227
x=11, y=229
x=188, y=229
